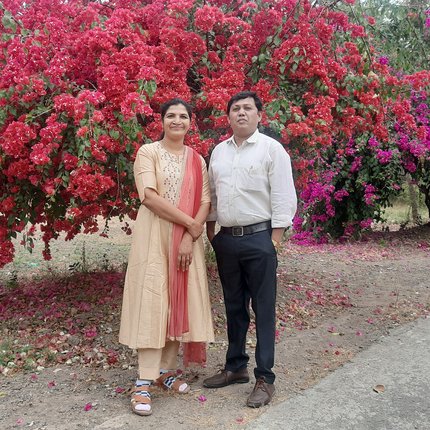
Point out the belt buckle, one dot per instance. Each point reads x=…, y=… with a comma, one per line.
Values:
x=237, y=231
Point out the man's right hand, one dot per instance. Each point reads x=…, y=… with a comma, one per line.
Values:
x=210, y=230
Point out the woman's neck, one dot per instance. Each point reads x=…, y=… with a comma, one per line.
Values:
x=173, y=146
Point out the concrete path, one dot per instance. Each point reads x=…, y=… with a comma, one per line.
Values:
x=346, y=400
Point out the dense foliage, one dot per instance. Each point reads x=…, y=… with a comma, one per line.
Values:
x=81, y=83
x=400, y=30
x=401, y=33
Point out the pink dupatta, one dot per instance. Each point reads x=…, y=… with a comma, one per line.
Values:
x=189, y=202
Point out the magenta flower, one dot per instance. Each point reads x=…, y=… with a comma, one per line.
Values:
x=373, y=142
x=356, y=164
x=383, y=60
x=384, y=157
x=410, y=166
x=339, y=195
x=366, y=223
x=369, y=194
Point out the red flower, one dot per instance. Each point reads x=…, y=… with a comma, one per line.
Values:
x=15, y=138
x=206, y=17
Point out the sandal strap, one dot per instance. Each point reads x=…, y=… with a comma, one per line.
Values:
x=139, y=399
x=147, y=388
x=165, y=376
x=161, y=381
x=141, y=394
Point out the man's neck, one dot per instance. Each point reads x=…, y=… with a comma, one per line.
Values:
x=240, y=139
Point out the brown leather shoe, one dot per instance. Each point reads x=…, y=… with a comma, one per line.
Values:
x=226, y=377
x=261, y=394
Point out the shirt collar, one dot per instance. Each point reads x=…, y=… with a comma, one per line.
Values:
x=251, y=139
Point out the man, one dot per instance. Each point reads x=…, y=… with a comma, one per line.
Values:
x=253, y=200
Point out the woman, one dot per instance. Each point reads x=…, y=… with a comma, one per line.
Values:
x=166, y=299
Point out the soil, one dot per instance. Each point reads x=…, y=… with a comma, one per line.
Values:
x=334, y=301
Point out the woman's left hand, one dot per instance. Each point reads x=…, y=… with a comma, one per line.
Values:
x=185, y=254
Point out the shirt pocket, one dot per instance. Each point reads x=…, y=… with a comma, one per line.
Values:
x=252, y=178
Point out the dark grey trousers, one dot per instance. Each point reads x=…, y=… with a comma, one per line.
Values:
x=247, y=268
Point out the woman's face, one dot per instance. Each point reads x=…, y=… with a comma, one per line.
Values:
x=176, y=122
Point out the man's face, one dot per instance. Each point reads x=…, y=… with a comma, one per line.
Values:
x=244, y=117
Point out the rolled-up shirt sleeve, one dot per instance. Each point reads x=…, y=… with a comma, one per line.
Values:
x=144, y=171
x=213, y=212
x=282, y=191
x=206, y=194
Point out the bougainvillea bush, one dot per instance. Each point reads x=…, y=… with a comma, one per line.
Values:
x=81, y=84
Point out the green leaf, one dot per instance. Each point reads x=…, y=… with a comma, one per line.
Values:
x=114, y=134
x=8, y=21
x=150, y=87
x=6, y=37
x=11, y=220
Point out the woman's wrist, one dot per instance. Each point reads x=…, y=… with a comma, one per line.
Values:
x=187, y=235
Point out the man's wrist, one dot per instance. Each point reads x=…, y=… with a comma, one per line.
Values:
x=276, y=244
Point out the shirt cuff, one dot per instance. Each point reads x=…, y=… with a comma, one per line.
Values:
x=212, y=216
x=281, y=223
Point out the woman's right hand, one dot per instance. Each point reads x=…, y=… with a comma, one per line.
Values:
x=195, y=229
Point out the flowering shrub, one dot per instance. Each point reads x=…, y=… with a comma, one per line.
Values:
x=81, y=84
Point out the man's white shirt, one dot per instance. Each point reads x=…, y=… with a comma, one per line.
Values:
x=251, y=183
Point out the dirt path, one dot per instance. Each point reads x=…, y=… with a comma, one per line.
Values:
x=333, y=301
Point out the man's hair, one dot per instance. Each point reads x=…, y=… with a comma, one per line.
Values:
x=175, y=102
x=244, y=95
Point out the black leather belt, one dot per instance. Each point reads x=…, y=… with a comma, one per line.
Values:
x=248, y=229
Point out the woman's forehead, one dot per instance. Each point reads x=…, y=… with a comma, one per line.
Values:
x=179, y=108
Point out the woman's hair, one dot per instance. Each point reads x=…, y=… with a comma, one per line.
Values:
x=174, y=102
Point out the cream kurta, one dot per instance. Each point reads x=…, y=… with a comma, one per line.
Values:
x=145, y=302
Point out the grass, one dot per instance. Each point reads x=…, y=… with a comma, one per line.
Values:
x=87, y=253
x=401, y=214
